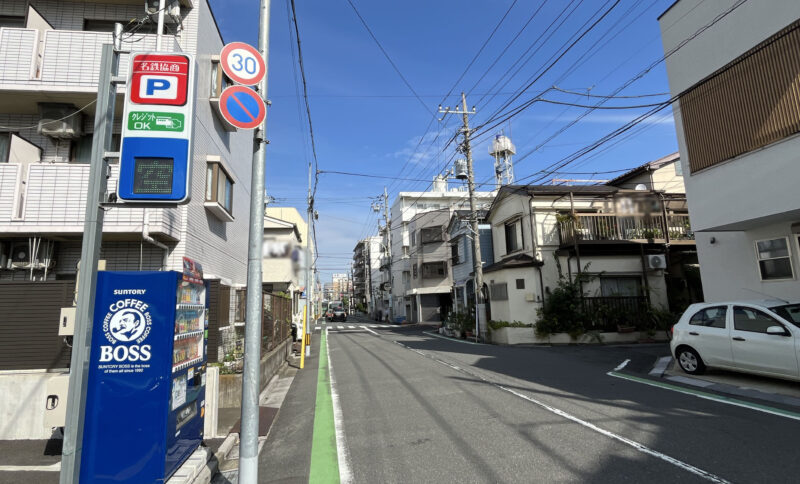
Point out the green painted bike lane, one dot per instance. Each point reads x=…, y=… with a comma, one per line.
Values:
x=324, y=456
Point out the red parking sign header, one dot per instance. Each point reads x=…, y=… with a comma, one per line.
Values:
x=159, y=79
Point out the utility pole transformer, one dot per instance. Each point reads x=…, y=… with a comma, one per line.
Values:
x=473, y=215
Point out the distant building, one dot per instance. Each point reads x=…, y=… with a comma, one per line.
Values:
x=405, y=207
x=737, y=118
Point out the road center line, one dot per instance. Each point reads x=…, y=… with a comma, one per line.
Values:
x=709, y=396
x=636, y=445
x=373, y=332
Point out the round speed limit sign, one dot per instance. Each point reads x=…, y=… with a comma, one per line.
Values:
x=242, y=63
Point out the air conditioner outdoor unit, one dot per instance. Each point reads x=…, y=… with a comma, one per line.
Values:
x=58, y=120
x=20, y=256
x=656, y=262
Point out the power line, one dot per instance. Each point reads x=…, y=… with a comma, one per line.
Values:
x=386, y=55
x=322, y=172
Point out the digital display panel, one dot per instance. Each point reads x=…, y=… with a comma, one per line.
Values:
x=153, y=176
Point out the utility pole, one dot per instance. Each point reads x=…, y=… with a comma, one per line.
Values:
x=72, y=451
x=248, y=440
x=309, y=274
x=473, y=215
x=389, y=250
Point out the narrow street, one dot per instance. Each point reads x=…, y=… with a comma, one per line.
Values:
x=418, y=408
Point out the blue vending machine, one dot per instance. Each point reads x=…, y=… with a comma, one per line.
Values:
x=145, y=399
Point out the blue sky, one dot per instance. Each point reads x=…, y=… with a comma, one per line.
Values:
x=366, y=120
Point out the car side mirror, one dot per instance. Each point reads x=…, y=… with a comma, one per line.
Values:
x=777, y=330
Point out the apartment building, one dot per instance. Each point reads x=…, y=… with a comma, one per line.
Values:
x=636, y=242
x=49, y=57
x=428, y=285
x=462, y=263
x=366, y=267
x=737, y=119
x=341, y=286
x=404, y=208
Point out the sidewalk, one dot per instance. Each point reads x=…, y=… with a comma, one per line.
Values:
x=286, y=454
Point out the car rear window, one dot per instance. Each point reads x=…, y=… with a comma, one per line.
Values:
x=711, y=317
x=790, y=312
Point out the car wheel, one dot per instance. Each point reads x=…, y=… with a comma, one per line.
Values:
x=690, y=361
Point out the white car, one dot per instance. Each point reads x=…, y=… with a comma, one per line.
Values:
x=760, y=337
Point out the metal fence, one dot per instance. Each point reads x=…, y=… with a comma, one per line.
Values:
x=593, y=227
x=612, y=313
x=276, y=323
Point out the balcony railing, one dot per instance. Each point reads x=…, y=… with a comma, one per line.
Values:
x=614, y=313
x=637, y=227
x=53, y=200
x=64, y=59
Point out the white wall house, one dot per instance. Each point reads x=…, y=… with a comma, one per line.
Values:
x=612, y=233
x=738, y=126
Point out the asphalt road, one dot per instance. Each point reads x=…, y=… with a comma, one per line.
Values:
x=416, y=408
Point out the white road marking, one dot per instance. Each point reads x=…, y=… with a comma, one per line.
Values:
x=345, y=475
x=661, y=366
x=351, y=327
x=51, y=468
x=709, y=396
x=341, y=327
x=636, y=445
x=622, y=365
x=373, y=332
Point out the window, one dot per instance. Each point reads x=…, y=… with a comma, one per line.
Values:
x=455, y=252
x=405, y=251
x=774, y=259
x=620, y=286
x=218, y=80
x=434, y=270
x=790, y=312
x=430, y=234
x=520, y=283
x=5, y=146
x=15, y=21
x=513, y=231
x=219, y=190
x=711, y=317
x=406, y=279
x=499, y=291
x=753, y=320
x=414, y=238
x=414, y=271
x=240, y=307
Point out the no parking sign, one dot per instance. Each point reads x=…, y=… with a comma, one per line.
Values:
x=241, y=106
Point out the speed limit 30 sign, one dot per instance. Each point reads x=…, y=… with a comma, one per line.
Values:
x=242, y=63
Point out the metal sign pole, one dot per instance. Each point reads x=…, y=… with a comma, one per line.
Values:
x=248, y=439
x=90, y=255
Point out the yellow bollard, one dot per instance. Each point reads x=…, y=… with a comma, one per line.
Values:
x=303, y=339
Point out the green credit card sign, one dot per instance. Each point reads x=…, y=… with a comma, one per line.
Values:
x=155, y=121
